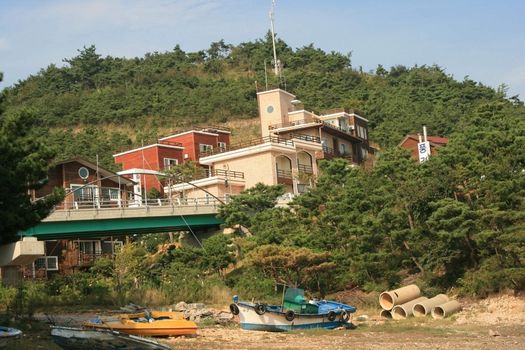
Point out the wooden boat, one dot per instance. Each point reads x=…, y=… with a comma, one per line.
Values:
x=294, y=313
x=8, y=336
x=69, y=338
x=151, y=324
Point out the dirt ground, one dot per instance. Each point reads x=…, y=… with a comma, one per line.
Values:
x=492, y=323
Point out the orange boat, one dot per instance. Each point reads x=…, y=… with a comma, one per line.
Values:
x=154, y=324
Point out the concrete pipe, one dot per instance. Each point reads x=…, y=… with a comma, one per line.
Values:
x=425, y=307
x=389, y=299
x=446, y=309
x=385, y=314
x=400, y=312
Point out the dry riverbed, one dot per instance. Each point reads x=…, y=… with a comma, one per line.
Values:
x=495, y=323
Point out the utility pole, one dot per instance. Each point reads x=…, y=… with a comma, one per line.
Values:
x=275, y=62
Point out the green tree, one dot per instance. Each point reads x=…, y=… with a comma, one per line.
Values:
x=24, y=167
x=218, y=253
x=242, y=208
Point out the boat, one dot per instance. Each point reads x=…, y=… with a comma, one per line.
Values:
x=151, y=324
x=294, y=313
x=70, y=338
x=8, y=336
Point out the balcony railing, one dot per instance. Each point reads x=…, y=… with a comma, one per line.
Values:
x=284, y=174
x=253, y=142
x=308, y=138
x=305, y=169
x=330, y=153
x=339, y=110
x=295, y=123
x=225, y=173
x=313, y=121
x=210, y=128
x=335, y=127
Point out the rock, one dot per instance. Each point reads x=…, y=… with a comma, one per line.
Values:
x=132, y=308
x=362, y=318
x=494, y=333
x=223, y=317
x=196, y=306
x=196, y=314
x=180, y=306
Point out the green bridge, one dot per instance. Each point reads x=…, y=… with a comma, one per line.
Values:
x=103, y=222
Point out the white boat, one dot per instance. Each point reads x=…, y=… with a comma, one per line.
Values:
x=294, y=313
x=69, y=338
x=8, y=336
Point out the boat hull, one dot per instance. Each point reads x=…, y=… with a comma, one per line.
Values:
x=80, y=339
x=164, y=328
x=8, y=336
x=275, y=321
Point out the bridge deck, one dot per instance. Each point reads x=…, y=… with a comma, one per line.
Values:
x=93, y=222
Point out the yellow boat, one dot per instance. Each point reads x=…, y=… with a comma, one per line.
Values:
x=154, y=324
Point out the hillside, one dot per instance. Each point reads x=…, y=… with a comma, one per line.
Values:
x=111, y=103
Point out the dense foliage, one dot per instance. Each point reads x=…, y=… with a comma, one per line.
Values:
x=113, y=103
x=455, y=221
x=24, y=161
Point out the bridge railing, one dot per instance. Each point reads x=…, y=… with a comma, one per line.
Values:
x=99, y=203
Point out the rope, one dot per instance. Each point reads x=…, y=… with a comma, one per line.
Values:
x=194, y=235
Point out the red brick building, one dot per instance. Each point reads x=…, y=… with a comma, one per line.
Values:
x=87, y=185
x=171, y=150
x=411, y=141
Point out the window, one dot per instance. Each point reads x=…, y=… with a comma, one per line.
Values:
x=90, y=247
x=221, y=145
x=83, y=193
x=109, y=247
x=361, y=132
x=205, y=148
x=169, y=162
x=302, y=188
x=110, y=193
x=342, y=148
x=50, y=263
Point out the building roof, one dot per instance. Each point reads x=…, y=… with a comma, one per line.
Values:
x=434, y=140
x=110, y=175
x=164, y=144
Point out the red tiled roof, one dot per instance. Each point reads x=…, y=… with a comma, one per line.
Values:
x=434, y=139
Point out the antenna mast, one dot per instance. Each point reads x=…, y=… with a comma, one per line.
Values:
x=276, y=63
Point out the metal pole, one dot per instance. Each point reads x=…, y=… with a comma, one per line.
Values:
x=276, y=65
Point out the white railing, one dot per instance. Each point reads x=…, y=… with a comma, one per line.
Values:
x=131, y=203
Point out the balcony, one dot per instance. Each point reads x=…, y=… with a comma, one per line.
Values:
x=330, y=153
x=224, y=173
x=305, y=169
x=284, y=177
x=316, y=122
x=295, y=123
x=249, y=143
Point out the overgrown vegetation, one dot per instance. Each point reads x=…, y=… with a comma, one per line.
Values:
x=94, y=97
x=456, y=221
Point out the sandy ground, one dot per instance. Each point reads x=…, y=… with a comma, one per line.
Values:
x=492, y=323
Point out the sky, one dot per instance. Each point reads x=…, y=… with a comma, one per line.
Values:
x=482, y=39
